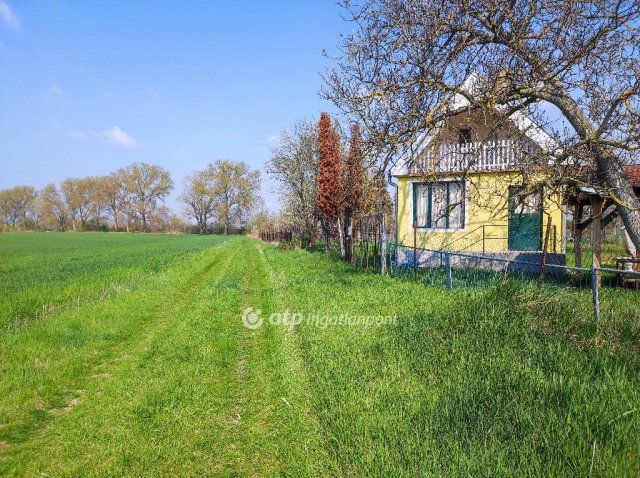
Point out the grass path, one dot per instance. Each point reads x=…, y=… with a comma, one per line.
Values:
x=160, y=381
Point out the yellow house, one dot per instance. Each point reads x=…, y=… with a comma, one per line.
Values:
x=463, y=189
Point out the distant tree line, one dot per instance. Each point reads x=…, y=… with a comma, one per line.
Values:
x=128, y=199
x=220, y=198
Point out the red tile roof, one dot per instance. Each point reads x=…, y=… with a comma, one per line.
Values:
x=633, y=174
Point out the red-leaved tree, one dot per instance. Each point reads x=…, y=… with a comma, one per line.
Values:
x=329, y=179
x=351, y=185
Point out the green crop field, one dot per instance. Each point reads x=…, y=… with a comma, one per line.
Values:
x=126, y=355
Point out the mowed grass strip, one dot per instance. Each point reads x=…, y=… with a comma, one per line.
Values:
x=162, y=381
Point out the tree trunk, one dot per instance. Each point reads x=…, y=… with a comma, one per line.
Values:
x=340, y=238
x=347, y=233
x=144, y=222
x=325, y=231
x=115, y=220
x=627, y=204
x=608, y=166
x=577, y=236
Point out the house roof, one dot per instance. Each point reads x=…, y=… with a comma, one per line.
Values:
x=587, y=174
x=459, y=103
x=632, y=172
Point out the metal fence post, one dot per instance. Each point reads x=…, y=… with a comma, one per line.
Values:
x=383, y=246
x=415, y=251
x=447, y=269
x=483, y=236
x=594, y=290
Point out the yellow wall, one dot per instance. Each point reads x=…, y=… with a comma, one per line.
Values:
x=486, y=196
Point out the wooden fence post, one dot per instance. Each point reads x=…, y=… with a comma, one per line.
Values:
x=596, y=234
x=577, y=234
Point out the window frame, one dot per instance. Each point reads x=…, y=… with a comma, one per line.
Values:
x=429, y=198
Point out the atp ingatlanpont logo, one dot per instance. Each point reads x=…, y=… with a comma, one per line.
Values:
x=253, y=319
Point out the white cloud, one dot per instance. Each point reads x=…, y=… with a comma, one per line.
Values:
x=6, y=14
x=80, y=135
x=118, y=136
x=55, y=91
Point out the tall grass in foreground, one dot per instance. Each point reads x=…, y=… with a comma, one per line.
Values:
x=497, y=381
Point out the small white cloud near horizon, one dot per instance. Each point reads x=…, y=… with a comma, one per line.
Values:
x=116, y=135
x=7, y=15
x=55, y=92
x=81, y=135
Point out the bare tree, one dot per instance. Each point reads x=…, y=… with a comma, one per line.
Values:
x=147, y=185
x=16, y=204
x=294, y=165
x=52, y=206
x=576, y=61
x=235, y=188
x=116, y=195
x=199, y=197
x=77, y=196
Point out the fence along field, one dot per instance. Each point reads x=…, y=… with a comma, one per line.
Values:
x=612, y=289
x=159, y=377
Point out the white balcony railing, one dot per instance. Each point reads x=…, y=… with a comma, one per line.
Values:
x=493, y=155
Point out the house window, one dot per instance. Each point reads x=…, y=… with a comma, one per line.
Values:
x=464, y=136
x=439, y=205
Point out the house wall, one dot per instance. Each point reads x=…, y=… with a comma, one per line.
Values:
x=486, y=210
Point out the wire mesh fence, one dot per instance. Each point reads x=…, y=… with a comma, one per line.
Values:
x=608, y=292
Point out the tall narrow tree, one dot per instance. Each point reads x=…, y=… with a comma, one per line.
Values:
x=329, y=174
x=351, y=185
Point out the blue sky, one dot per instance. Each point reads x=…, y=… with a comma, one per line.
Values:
x=90, y=86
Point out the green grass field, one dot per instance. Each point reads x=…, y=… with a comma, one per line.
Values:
x=125, y=355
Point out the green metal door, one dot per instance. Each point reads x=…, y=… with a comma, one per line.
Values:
x=525, y=221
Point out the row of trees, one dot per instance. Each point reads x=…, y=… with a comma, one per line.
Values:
x=225, y=191
x=132, y=198
x=324, y=181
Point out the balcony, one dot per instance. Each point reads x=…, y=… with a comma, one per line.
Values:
x=490, y=155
